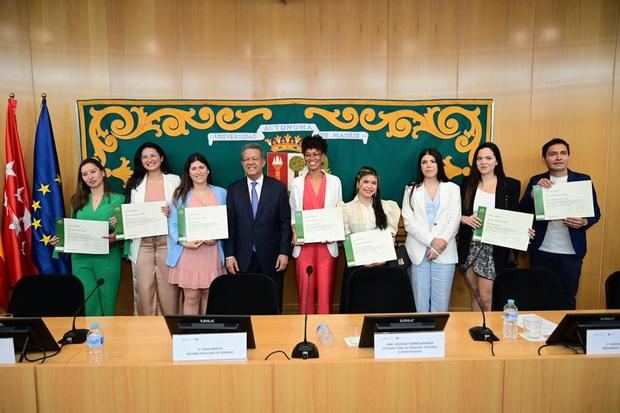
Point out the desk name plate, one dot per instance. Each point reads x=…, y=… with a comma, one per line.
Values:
x=410, y=345
x=603, y=341
x=217, y=346
x=7, y=352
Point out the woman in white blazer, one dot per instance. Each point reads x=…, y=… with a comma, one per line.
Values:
x=315, y=189
x=151, y=181
x=432, y=213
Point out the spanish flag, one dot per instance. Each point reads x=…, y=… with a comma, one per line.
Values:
x=4, y=281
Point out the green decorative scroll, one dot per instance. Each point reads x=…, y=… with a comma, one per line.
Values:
x=439, y=122
x=385, y=134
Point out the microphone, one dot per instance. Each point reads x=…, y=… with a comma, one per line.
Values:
x=305, y=349
x=480, y=333
x=78, y=336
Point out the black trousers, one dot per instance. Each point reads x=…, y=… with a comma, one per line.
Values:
x=276, y=276
x=566, y=266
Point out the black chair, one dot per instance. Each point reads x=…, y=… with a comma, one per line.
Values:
x=612, y=291
x=47, y=295
x=243, y=294
x=531, y=288
x=379, y=290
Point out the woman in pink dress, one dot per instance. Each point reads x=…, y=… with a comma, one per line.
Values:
x=315, y=189
x=194, y=264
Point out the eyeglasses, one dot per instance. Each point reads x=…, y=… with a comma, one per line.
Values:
x=313, y=155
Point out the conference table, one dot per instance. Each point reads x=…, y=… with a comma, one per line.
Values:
x=138, y=374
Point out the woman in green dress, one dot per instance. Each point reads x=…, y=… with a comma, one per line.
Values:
x=94, y=201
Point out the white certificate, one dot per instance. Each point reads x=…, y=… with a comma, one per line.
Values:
x=86, y=237
x=319, y=225
x=203, y=223
x=144, y=219
x=368, y=247
x=570, y=199
x=506, y=228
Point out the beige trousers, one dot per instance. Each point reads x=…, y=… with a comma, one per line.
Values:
x=153, y=294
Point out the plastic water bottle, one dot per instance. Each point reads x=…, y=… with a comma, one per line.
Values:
x=94, y=341
x=511, y=314
x=325, y=335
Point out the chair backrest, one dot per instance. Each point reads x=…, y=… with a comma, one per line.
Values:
x=531, y=288
x=612, y=291
x=243, y=294
x=47, y=295
x=379, y=290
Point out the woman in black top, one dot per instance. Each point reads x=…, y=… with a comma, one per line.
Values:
x=487, y=185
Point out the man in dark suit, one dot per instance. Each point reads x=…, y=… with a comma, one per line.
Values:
x=259, y=221
x=559, y=245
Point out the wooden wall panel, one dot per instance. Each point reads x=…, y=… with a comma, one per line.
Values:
x=16, y=76
x=217, y=49
x=611, y=239
x=397, y=386
x=284, y=63
x=423, y=40
x=19, y=390
x=145, y=48
x=574, y=51
x=558, y=385
x=352, y=48
x=307, y=49
x=495, y=60
x=549, y=65
x=70, y=62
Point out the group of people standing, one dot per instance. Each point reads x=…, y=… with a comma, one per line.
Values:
x=439, y=218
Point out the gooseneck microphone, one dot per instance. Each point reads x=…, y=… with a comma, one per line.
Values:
x=480, y=333
x=305, y=349
x=78, y=336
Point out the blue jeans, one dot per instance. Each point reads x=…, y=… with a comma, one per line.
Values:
x=432, y=285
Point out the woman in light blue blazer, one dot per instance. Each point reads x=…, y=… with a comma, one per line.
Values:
x=431, y=213
x=195, y=264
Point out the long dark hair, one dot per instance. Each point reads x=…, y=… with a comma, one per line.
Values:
x=475, y=177
x=82, y=191
x=180, y=194
x=139, y=172
x=380, y=217
x=441, y=173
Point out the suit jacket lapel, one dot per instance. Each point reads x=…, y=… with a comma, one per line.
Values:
x=245, y=199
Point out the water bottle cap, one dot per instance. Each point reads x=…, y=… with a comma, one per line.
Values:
x=94, y=326
x=511, y=301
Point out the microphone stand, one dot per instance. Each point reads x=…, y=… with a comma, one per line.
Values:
x=78, y=335
x=480, y=333
x=306, y=349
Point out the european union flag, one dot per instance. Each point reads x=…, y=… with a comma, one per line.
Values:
x=47, y=198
